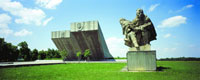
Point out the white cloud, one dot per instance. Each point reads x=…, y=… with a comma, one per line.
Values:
x=4, y=21
x=167, y=35
x=47, y=20
x=185, y=7
x=24, y=15
x=23, y=32
x=189, y=6
x=170, y=49
x=49, y=4
x=152, y=7
x=172, y=22
x=116, y=46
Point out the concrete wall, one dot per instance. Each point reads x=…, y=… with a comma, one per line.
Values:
x=82, y=36
x=141, y=60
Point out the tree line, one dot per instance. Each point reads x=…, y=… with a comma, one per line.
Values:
x=10, y=52
x=180, y=59
x=21, y=52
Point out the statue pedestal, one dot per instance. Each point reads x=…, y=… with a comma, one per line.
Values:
x=141, y=60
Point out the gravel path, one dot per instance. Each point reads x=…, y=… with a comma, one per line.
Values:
x=48, y=62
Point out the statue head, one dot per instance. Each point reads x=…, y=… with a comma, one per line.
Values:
x=139, y=13
x=122, y=20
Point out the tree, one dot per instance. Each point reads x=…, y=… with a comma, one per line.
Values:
x=8, y=52
x=78, y=54
x=14, y=53
x=63, y=54
x=48, y=54
x=51, y=53
x=34, y=54
x=42, y=55
x=2, y=54
x=24, y=51
x=87, y=53
x=57, y=54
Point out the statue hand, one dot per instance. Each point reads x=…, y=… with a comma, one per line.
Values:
x=141, y=27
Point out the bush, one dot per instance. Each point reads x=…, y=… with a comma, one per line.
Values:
x=87, y=53
x=63, y=54
x=78, y=54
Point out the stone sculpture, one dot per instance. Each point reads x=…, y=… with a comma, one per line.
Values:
x=139, y=32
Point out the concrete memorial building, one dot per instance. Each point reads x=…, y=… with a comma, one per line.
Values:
x=82, y=36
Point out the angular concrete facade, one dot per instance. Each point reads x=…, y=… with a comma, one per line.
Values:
x=82, y=36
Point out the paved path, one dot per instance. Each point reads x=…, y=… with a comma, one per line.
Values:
x=48, y=62
x=29, y=63
x=116, y=61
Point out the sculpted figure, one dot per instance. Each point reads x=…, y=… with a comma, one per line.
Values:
x=139, y=32
x=130, y=33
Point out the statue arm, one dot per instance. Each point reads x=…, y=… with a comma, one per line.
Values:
x=142, y=27
x=137, y=28
x=146, y=24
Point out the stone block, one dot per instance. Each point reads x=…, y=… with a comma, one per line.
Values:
x=141, y=60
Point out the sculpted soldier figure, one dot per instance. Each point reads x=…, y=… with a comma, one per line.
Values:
x=139, y=32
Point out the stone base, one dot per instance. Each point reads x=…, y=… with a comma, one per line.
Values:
x=141, y=60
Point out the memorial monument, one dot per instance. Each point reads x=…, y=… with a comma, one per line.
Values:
x=82, y=36
x=138, y=35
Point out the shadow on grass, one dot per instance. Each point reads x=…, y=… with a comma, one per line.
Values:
x=160, y=68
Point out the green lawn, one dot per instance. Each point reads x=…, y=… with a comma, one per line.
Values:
x=179, y=70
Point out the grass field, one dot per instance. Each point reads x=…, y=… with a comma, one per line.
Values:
x=178, y=70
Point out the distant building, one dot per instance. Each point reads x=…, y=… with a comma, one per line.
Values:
x=82, y=36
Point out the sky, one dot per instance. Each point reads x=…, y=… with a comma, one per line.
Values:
x=176, y=22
